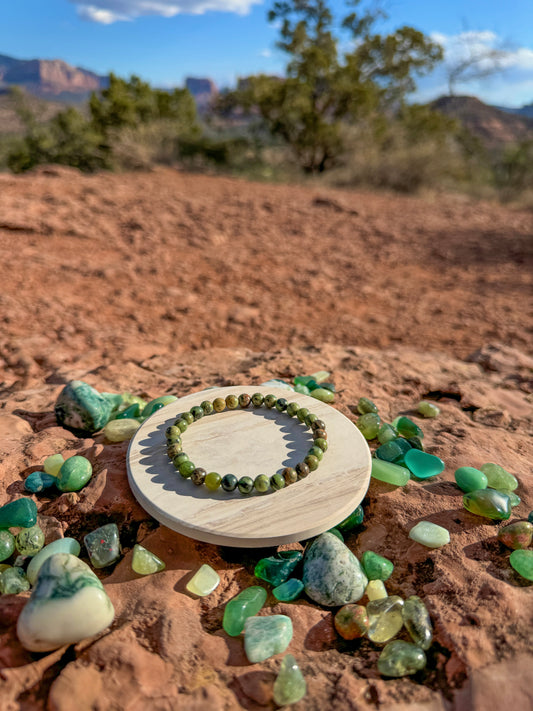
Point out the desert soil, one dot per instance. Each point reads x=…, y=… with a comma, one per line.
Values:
x=164, y=282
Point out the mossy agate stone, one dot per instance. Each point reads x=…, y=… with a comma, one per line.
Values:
x=29, y=541
x=400, y=658
x=62, y=545
x=13, y=581
x=81, y=408
x=417, y=622
x=7, y=545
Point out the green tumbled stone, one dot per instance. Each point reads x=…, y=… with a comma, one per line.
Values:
x=521, y=561
x=417, y=622
x=14, y=581
x=514, y=500
x=384, y=618
x=390, y=473
x=470, y=479
x=39, y=481
x=390, y=451
x=322, y=443
x=316, y=452
x=74, y=474
x=187, y=467
x=144, y=562
x=489, y=503
x=7, y=545
x=292, y=409
x=387, y=433
x=289, y=590
x=290, y=686
x=498, y=477
x=266, y=636
x=103, y=545
x=320, y=376
x=29, y=541
x=188, y=417
x=21, y=513
x=302, y=414
x=229, y=482
x=369, y=425
x=304, y=380
x=276, y=569
x=312, y=462
x=53, y=464
x=376, y=567
x=121, y=430
x=423, y=465
x=204, y=581
x=81, y=408
x=157, y=404
x=323, y=394
x=351, y=621
x=517, y=535
x=197, y=412
x=375, y=590
x=62, y=545
x=407, y=428
x=302, y=389
x=365, y=405
x=351, y=521
x=400, y=658
x=416, y=443
x=337, y=533
x=429, y=534
x=244, y=605
x=427, y=409
x=130, y=412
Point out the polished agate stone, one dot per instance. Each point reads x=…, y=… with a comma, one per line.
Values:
x=417, y=622
x=351, y=621
x=62, y=545
x=103, y=545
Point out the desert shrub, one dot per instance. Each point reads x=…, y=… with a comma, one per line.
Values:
x=513, y=171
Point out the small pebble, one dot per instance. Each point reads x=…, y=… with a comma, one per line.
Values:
x=498, y=477
x=470, y=479
x=522, y=562
x=429, y=534
x=244, y=605
x=323, y=394
x=121, y=430
x=387, y=433
x=423, y=465
x=14, y=581
x=74, y=474
x=417, y=621
x=144, y=562
x=427, y=409
x=29, y=541
x=390, y=473
x=517, y=535
x=290, y=686
x=369, y=425
x=21, y=513
x=7, y=545
x=290, y=590
x=351, y=521
x=53, y=464
x=103, y=545
x=407, y=428
x=376, y=566
x=265, y=636
x=400, y=658
x=39, y=481
x=489, y=503
x=365, y=405
x=375, y=590
x=276, y=569
x=204, y=581
x=385, y=618
x=351, y=621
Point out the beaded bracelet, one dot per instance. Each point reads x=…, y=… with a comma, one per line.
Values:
x=246, y=484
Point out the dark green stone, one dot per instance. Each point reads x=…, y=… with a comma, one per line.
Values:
x=416, y=443
x=207, y=407
x=197, y=412
x=530, y=517
x=365, y=405
x=258, y=399
x=133, y=411
x=322, y=443
x=316, y=452
x=277, y=569
x=277, y=482
x=292, y=409
x=390, y=451
x=302, y=414
x=376, y=566
x=181, y=424
x=310, y=419
x=103, y=545
x=246, y=484
x=351, y=521
x=337, y=533
x=186, y=469
x=407, y=428
x=270, y=401
x=81, y=408
x=489, y=503
x=312, y=462
x=281, y=404
x=188, y=417
x=290, y=590
x=21, y=513
x=229, y=482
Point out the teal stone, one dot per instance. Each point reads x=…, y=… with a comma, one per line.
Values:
x=390, y=451
x=530, y=517
x=29, y=541
x=329, y=386
x=429, y=534
x=470, y=479
x=332, y=575
x=323, y=394
x=369, y=425
x=62, y=545
x=376, y=567
x=302, y=389
x=351, y=521
x=103, y=545
x=21, y=513
x=390, y=473
x=417, y=621
x=276, y=569
x=427, y=409
x=157, y=404
x=365, y=405
x=400, y=658
x=7, y=545
x=266, y=636
x=489, y=503
x=81, y=408
x=133, y=411
x=39, y=481
x=521, y=561
x=407, y=428
x=423, y=465
x=289, y=590
x=290, y=686
x=14, y=581
x=244, y=605
x=387, y=433
x=74, y=474
x=305, y=380
x=498, y=477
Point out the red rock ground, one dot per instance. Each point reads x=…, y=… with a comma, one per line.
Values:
x=164, y=282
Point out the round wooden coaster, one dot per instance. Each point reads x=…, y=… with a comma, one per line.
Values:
x=249, y=442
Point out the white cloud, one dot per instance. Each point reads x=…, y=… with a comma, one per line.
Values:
x=267, y=53
x=108, y=11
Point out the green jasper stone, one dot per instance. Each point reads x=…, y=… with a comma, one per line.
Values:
x=270, y=401
x=390, y=473
x=277, y=481
x=262, y=483
x=417, y=622
x=144, y=562
x=258, y=399
x=81, y=408
x=213, y=481
x=498, y=477
x=246, y=484
x=384, y=618
x=351, y=521
x=316, y=452
x=323, y=394
x=21, y=513
x=376, y=566
x=188, y=417
x=265, y=636
x=400, y=658
x=7, y=545
x=407, y=428
x=14, y=581
x=186, y=469
x=290, y=590
x=517, y=535
x=204, y=581
x=229, y=482
x=232, y=402
x=181, y=424
x=489, y=503
x=290, y=475
x=62, y=545
x=322, y=443
x=302, y=389
x=173, y=434
x=39, y=481
x=281, y=404
x=29, y=541
x=276, y=569
x=174, y=449
x=132, y=411
x=470, y=479
x=423, y=465
x=244, y=605
x=197, y=412
x=369, y=425
x=121, y=430
x=74, y=474
x=521, y=561
x=244, y=400
x=387, y=433
x=219, y=404
x=427, y=409
x=207, y=407
x=290, y=686
x=337, y=533
x=351, y=621
x=390, y=451
x=311, y=417
x=157, y=404
x=103, y=545
x=302, y=414
x=53, y=464
x=429, y=534
x=364, y=405
x=312, y=462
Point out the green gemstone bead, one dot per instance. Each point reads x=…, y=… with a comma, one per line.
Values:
x=290, y=475
x=7, y=545
x=131, y=412
x=219, y=404
x=262, y=483
x=197, y=412
x=281, y=404
x=244, y=605
x=364, y=405
x=213, y=481
x=198, y=476
x=277, y=482
x=186, y=469
x=351, y=521
x=290, y=686
x=232, y=402
x=292, y=409
x=270, y=401
x=427, y=409
x=103, y=545
x=188, y=417
x=244, y=400
x=310, y=419
x=173, y=434
x=470, y=479
x=246, y=484
x=417, y=622
x=369, y=425
x=521, y=561
x=489, y=503
x=312, y=462
x=302, y=469
x=276, y=569
x=289, y=590
x=181, y=424
x=207, y=407
x=407, y=428
x=400, y=658
x=178, y=460
x=390, y=473
x=323, y=394
x=258, y=399
x=376, y=566
x=316, y=452
x=302, y=414
x=322, y=443
x=144, y=562
x=328, y=386
x=157, y=404
x=174, y=449
x=229, y=482
x=29, y=541
x=387, y=433
x=14, y=581
x=498, y=477
x=21, y=513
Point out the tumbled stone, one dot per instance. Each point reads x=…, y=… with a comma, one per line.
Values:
x=81, y=408
x=429, y=534
x=530, y=517
x=369, y=425
x=376, y=567
x=276, y=569
x=204, y=581
x=53, y=464
x=21, y=513
x=320, y=376
x=407, y=428
x=498, y=477
x=13, y=581
x=244, y=605
x=276, y=383
x=290, y=686
x=351, y=521
x=387, y=433
x=522, y=562
x=332, y=575
x=121, y=430
x=323, y=394
x=375, y=590
x=3, y=566
x=351, y=621
x=489, y=503
x=29, y=541
x=67, y=605
x=337, y=533
x=391, y=451
x=517, y=535
x=289, y=590
x=266, y=636
x=417, y=621
x=144, y=562
x=400, y=658
x=114, y=399
x=365, y=405
x=514, y=500
x=423, y=465
x=390, y=473
x=384, y=618
x=157, y=404
x=103, y=545
x=7, y=545
x=131, y=412
x=39, y=481
x=74, y=474
x=427, y=409
x=470, y=479
x=62, y=545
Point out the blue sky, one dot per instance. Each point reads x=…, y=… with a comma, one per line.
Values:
x=164, y=41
